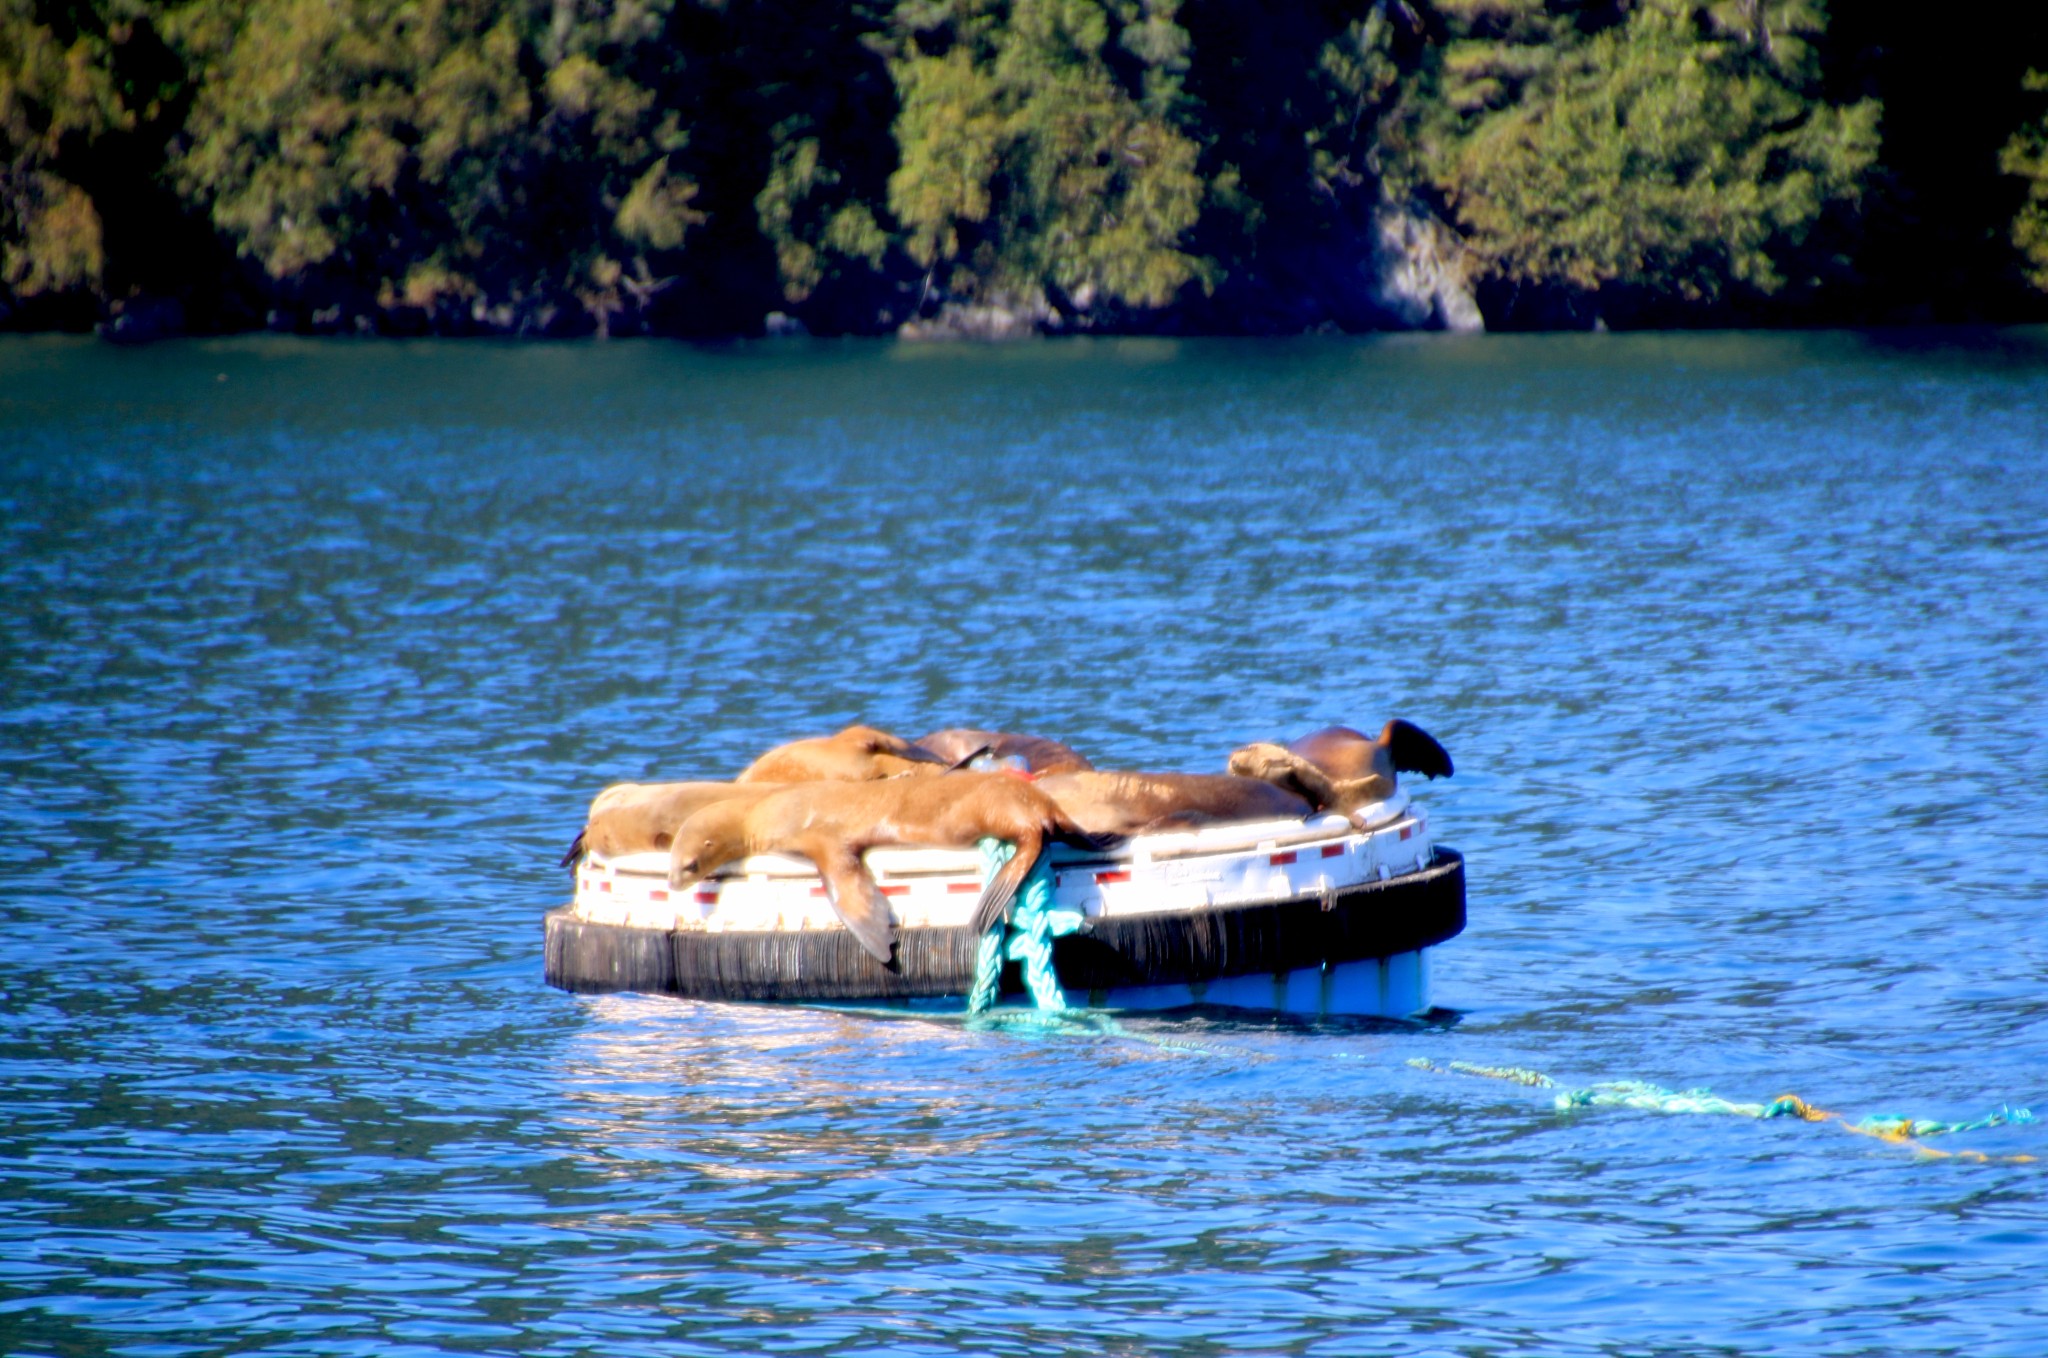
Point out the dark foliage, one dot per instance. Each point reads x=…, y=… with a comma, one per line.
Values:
x=697, y=168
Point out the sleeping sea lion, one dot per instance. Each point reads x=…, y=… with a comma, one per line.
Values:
x=833, y=823
x=856, y=754
x=1341, y=769
x=1039, y=754
x=1134, y=803
x=642, y=817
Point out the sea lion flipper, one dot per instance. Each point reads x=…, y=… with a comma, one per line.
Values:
x=1000, y=893
x=855, y=898
x=1069, y=832
x=1416, y=750
x=575, y=849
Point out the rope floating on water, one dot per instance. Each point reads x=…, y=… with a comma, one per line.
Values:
x=1035, y=921
x=1655, y=1098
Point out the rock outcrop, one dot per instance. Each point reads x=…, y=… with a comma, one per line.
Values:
x=1390, y=266
x=1421, y=272
x=1008, y=318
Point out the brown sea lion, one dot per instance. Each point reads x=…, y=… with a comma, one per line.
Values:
x=643, y=817
x=1136, y=803
x=1039, y=754
x=833, y=823
x=1341, y=769
x=857, y=754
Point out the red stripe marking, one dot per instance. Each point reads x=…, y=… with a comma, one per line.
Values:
x=1102, y=877
x=1407, y=830
x=895, y=891
x=963, y=888
x=657, y=895
x=604, y=886
x=1280, y=860
x=1332, y=850
x=817, y=891
x=707, y=897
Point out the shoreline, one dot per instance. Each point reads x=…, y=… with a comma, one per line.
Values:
x=793, y=342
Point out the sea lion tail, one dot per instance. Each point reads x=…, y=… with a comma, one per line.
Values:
x=1416, y=750
x=575, y=849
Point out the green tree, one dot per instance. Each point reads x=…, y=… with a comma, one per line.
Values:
x=56, y=90
x=605, y=189
x=1658, y=153
x=1034, y=161
x=811, y=229
x=445, y=156
x=2026, y=156
x=820, y=103
x=1359, y=73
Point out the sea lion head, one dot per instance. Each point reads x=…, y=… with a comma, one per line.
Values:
x=706, y=842
x=1282, y=767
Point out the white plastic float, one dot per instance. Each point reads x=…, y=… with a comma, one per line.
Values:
x=1329, y=915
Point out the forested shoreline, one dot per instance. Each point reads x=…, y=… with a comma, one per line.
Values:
x=1001, y=167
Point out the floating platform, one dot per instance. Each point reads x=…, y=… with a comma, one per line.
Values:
x=1329, y=915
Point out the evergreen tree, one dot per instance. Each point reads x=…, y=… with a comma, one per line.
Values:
x=1676, y=152
x=57, y=91
x=2026, y=156
x=825, y=155
x=1041, y=155
x=452, y=157
x=688, y=166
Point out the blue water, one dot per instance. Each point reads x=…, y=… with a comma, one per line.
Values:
x=312, y=654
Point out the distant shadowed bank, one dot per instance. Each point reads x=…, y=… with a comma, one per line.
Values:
x=1006, y=167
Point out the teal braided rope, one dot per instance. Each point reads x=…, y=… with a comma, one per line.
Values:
x=1657, y=1099
x=1035, y=921
x=1891, y=1127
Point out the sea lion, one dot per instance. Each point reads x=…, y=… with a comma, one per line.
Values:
x=643, y=817
x=1135, y=803
x=1040, y=755
x=856, y=754
x=833, y=823
x=1341, y=769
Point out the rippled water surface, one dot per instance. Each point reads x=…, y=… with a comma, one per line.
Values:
x=311, y=655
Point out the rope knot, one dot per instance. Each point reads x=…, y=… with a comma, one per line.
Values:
x=1791, y=1105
